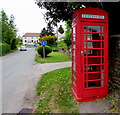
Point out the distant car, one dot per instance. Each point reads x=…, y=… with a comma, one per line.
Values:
x=23, y=48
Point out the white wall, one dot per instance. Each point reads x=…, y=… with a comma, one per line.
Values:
x=29, y=40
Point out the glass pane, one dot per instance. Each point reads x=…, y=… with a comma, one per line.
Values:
x=74, y=45
x=86, y=85
x=74, y=30
x=84, y=44
x=74, y=37
x=94, y=76
x=102, y=29
x=93, y=68
x=102, y=36
x=84, y=36
x=85, y=28
x=75, y=80
x=74, y=63
x=92, y=52
x=74, y=73
x=102, y=83
x=93, y=60
x=93, y=84
x=102, y=75
x=89, y=37
x=74, y=52
x=90, y=44
x=102, y=60
x=93, y=37
x=102, y=45
x=93, y=28
x=93, y=44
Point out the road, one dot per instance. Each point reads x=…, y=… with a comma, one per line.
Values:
x=16, y=79
x=20, y=74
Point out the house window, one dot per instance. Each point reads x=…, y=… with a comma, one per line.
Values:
x=25, y=40
x=32, y=40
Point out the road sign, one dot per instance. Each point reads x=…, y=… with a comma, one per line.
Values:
x=43, y=43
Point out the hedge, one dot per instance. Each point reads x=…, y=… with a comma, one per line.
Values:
x=4, y=49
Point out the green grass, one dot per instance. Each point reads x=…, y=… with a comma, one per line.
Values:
x=53, y=57
x=19, y=45
x=55, y=95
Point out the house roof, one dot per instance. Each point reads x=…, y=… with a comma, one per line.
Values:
x=31, y=35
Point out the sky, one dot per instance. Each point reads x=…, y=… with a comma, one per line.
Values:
x=28, y=16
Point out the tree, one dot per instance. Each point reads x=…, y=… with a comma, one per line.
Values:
x=5, y=27
x=51, y=40
x=61, y=30
x=67, y=37
x=8, y=30
x=56, y=13
x=50, y=29
x=44, y=32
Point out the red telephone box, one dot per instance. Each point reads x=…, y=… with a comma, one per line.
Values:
x=89, y=54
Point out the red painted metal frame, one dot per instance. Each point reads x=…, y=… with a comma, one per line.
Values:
x=81, y=77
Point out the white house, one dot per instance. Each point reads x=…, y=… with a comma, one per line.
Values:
x=30, y=38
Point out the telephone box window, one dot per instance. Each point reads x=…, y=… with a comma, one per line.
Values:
x=93, y=28
x=93, y=84
x=85, y=28
x=102, y=29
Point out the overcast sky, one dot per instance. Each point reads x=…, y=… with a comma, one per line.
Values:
x=28, y=16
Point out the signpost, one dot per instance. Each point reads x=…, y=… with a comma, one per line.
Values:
x=43, y=43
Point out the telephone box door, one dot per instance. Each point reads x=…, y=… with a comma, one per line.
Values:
x=93, y=61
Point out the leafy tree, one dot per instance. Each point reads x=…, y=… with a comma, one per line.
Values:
x=50, y=29
x=5, y=27
x=51, y=40
x=44, y=32
x=8, y=30
x=62, y=11
x=61, y=30
x=67, y=37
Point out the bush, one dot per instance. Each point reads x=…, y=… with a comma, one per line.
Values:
x=47, y=50
x=13, y=44
x=62, y=44
x=55, y=49
x=4, y=48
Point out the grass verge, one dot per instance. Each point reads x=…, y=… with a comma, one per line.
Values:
x=54, y=91
x=53, y=57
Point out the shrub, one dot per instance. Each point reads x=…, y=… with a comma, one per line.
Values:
x=62, y=44
x=4, y=48
x=13, y=44
x=47, y=50
x=55, y=49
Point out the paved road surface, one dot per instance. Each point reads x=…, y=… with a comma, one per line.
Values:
x=17, y=68
x=20, y=76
